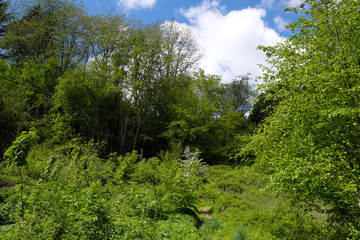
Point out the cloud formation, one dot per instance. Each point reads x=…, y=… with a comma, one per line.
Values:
x=280, y=23
x=267, y=3
x=230, y=40
x=293, y=3
x=136, y=4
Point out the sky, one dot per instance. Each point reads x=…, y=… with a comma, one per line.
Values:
x=228, y=31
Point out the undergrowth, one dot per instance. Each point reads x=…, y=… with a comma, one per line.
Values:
x=69, y=192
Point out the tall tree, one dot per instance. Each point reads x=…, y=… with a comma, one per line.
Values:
x=124, y=92
x=4, y=15
x=311, y=141
x=162, y=56
x=42, y=40
x=180, y=52
x=47, y=29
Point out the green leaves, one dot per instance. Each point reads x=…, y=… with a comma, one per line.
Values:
x=310, y=141
x=47, y=29
x=17, y=152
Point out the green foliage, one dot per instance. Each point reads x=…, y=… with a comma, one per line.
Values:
x=173, y=181
x=192, y=164
x=310, y=142
x=126, y=166
x=13, y=107
x=108, y=96
x=93, y=214
x=211, y=226
x=265, y=104
x=240, y=235
x=4, y=15
x=79, y=195
x=109, y=79
x=41, y=158
x=50, y=170
x=39, y=82
x=209, y=115
x=178, y=226
x=44, y=30
x=18, y=151
x=89, y=103
x=239, y=93
x=238, y=198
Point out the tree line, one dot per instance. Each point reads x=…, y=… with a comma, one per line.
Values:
x=110, y=78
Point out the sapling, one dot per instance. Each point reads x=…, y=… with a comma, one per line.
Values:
x=16, y=154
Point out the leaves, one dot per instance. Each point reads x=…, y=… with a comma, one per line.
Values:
x=310, y=141
x=17, y=152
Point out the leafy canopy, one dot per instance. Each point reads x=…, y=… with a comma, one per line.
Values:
x=310, y=142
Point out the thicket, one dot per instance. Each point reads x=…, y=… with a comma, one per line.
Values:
x=69, y=192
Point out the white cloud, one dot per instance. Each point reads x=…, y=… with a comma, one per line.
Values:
x=135, y=4
x=267, y=3
x=230, y=40
x=195, y=11
x=293, y=3
x=280, y=23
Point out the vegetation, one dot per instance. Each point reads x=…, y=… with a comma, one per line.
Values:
x=316, y=122
x=109, y=130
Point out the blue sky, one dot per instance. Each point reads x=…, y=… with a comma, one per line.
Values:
x=227, y=31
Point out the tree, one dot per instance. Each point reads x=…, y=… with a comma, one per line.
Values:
x=178, y=58
x=195, y=109
x=17, y=153
x=123, y=93
x=4, y=15
x=43, y=30
x=265, y=103
x=205, y=119
x=108, y=40
x=13, y=106
x=180, y=53
x=310, y=143
x=239, y=93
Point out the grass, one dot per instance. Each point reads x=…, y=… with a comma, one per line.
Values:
x=245, y=209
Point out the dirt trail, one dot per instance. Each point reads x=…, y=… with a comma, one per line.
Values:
x=206, y=211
